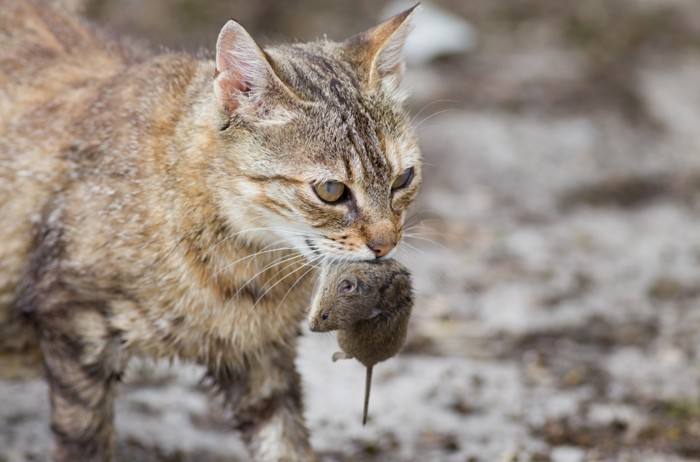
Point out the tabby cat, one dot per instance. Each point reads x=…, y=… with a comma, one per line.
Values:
x=168, y=206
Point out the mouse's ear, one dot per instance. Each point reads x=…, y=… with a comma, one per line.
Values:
x=348, y=285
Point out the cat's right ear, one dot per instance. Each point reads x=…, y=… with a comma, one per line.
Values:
x=244, y=82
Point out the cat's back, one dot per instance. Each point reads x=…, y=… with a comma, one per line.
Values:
x=46, y=50
x=52, y=66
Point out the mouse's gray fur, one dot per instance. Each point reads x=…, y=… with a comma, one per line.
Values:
x=369, y=303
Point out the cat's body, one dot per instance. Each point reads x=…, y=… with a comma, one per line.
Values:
x=135, y=191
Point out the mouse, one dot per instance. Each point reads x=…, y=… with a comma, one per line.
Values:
x=369, y=303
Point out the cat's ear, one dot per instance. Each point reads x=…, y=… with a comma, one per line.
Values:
x=245, y=82
x=379, y=51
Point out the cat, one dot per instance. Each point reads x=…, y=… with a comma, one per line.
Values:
x=168, y=206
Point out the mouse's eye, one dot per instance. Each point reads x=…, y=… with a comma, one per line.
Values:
x=324, y=316
x=346, y=286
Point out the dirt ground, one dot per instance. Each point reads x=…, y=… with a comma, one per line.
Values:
x=556, y=258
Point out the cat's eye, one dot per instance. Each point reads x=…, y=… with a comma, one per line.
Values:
x=403, y=180
x=331, y=191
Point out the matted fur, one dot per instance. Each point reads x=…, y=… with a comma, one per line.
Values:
x=146, y=212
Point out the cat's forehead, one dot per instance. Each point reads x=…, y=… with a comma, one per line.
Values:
x=318, y=72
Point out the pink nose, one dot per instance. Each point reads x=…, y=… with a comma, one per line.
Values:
x=380, y=250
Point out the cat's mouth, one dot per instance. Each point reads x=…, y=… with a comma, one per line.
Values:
x=319, y=251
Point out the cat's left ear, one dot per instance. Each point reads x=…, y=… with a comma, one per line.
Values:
x=379, y=51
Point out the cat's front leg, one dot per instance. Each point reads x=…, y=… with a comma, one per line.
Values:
x=81, y=357
x=266, y=400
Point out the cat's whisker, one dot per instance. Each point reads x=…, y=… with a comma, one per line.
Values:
x=282, y=270
x=279, y=261
x=318, y=280
x=252, y=230
x=264, y=250
x=275, y=284
x=422, y=227
x=242, y=223
x=304, y=255
x=251, y=256
x=426, y=232
x=292, y=287
x=432, y=103
x=294, y=259
x=436, y=114
x=412, y=247
x=426, y=220
x=415, y=216
x=281, y=249
x=416, y=236
x=177, y=244
x=403, y=252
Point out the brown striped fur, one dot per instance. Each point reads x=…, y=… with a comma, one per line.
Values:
x=161, y=206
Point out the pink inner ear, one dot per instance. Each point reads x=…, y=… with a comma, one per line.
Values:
x=239, y=63
x=230, y=87
x=236, y=81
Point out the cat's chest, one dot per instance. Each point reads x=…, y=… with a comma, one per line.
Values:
x=198, y=319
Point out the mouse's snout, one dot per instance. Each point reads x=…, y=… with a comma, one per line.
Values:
x=314, y=324
x=319, y=322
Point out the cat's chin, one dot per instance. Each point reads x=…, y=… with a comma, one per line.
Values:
x=363, y=256
x=351, y=257
x=336, y=257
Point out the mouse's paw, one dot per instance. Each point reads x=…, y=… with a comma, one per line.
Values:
x=340, y=355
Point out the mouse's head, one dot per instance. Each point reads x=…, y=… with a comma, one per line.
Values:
x=348, y=292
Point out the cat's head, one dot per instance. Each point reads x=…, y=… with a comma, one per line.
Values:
x=318, y=141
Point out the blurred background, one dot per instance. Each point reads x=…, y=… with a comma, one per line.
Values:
x=556, y=255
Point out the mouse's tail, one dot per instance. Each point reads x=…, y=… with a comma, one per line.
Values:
x=368, y=385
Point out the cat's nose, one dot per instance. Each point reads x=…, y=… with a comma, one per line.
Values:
x=380, y=250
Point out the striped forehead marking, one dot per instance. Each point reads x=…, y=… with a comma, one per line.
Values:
x=335, y=84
